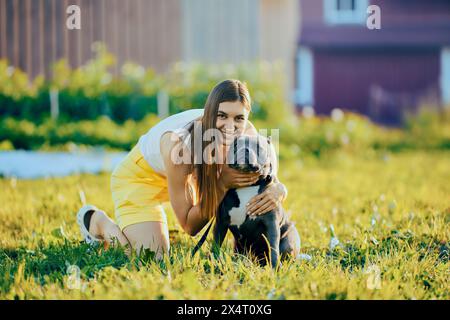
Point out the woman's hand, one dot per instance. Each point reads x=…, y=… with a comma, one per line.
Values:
x=268, y=200
x=231, y=178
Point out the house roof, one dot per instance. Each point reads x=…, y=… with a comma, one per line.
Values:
x=322, y=36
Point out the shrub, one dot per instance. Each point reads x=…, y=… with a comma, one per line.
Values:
x=24, y=134
x=92, y=90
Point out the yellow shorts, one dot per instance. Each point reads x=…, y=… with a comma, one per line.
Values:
x=138, y=191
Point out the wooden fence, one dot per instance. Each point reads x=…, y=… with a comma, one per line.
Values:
x=152, y=33
x=33, y=33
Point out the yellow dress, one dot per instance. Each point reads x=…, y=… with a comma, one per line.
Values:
x=138, y=184
x=138, y=191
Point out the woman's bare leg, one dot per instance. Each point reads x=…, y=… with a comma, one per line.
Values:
x=149, y=235
x=144, y=235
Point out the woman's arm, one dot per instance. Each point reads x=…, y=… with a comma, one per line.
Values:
x=188, y=215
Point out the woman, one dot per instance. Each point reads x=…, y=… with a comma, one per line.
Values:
x=149, y=176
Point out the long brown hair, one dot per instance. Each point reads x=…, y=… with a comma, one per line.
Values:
x=205, y=185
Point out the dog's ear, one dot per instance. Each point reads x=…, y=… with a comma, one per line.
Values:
x=267, y=171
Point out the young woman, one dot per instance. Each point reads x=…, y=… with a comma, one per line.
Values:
x=149, y=176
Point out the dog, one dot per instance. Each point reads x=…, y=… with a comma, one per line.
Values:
x=270, y=236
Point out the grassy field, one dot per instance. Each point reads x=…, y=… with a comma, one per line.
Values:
x=390, y=213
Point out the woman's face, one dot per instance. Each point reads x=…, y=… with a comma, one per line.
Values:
x=231, y=120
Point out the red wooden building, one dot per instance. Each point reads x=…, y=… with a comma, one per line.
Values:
x=341, y=63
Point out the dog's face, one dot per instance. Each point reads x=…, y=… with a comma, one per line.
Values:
x=250, y=154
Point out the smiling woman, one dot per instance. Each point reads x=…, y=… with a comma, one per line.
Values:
x=149, y=176
x=231, y=119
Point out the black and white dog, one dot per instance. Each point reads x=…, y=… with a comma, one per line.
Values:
x=253, y=233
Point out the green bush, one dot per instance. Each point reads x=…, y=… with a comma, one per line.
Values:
x=309, y=136
x=92, y=91
x=24, y=134
x=188, y=85
x=99, y=108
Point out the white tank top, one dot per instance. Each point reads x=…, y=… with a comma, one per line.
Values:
x=149, y=143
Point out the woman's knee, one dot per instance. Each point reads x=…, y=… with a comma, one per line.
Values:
x=149, y=235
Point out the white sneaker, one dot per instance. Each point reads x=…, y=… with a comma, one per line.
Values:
x=87, y=237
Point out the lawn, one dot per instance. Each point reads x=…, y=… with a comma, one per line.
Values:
x=389, y=211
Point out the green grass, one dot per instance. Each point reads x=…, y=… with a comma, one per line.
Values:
x=390, y=212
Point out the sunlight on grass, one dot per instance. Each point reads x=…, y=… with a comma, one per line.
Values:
x=390, y=213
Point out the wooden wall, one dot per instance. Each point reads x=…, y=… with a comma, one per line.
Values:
x=343, y=79
x=153, y=33
x=279, y=27
x=220, y=30
x=33, y=33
